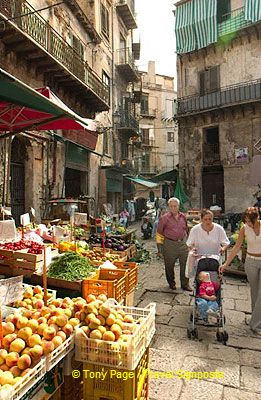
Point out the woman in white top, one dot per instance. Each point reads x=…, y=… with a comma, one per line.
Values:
x=251, y=231
x=208, y=238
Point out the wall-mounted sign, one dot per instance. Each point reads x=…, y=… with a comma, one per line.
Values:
x=241, y=155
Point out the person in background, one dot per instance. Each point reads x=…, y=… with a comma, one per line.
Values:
x=173, y=226
x=251, y=231
x=124, y=215
x=258, y=205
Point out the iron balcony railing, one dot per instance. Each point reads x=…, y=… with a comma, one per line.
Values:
x=34, y=25
x=124, y=57
x=128, y=121
x=227, y=96
x=233, y=21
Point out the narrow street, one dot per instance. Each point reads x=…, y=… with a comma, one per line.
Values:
x=171, y=350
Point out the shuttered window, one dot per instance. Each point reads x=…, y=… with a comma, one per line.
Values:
x=223, y=10
x=105, y=24
x=144, y=105
x=209, y=80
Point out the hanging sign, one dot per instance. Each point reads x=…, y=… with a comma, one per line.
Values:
x=7, y=230
x=11, y=290
x=25, y=219
x=80, y=218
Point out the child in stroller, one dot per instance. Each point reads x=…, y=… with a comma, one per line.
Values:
x=208, y=299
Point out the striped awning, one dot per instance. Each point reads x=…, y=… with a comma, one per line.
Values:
x=196, y=25
x=253, y=10
x=185, y=34
x=205, y=20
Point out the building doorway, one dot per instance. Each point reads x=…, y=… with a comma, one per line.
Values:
x=213, y=187
x=17, y=174
x=75, y=182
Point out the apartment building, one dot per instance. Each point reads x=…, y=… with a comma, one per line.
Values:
x=219, y=93
x=68, y=47
x=156, y=151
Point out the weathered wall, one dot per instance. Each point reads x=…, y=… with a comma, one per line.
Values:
x=239, y=62
x=237, y=129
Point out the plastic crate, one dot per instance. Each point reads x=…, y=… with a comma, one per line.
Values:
x=132, y=275
x=121, y=355
x=26, y=383
x=112, y=283
x=114, y=387
x=60, y=352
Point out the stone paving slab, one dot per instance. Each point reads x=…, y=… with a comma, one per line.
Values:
x=165, y=389
x=250, y=358
x=201, y=390
x=231, y=371
x=228, y=304
x=237, y=394
x=251, y=379
x=244, y=342
x=163, y=360
x=235, y=318
x=243, y=305
x=224, y=353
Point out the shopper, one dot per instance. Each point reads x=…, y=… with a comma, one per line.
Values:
x=207, y=237
x=173, y=226
x=251, y=231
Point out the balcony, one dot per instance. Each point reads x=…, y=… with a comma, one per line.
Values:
x=31, y=38
x=126, y=64
x=148, y=113
x=211, y=155
x=128, y=123
x=247, y=92
x=126, y=11
x=233, y=22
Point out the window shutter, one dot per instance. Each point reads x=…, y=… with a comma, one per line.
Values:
x=214, y=82
x=202, y=83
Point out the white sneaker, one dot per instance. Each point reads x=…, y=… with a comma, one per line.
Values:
x=212, y=312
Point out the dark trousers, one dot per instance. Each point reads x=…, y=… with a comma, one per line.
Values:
x=172, y=251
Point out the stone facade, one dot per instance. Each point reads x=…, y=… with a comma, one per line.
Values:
x=217, y=125
x=158, y=150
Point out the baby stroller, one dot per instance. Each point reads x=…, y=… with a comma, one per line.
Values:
x=209, y=265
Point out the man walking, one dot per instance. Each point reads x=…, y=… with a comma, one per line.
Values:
x=173, y=226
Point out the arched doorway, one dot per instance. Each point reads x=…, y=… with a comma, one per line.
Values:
x=17, y=174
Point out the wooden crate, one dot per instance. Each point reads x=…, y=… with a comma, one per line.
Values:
x=132, y=275
x=57, y=283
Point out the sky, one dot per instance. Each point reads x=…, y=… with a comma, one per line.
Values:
x=156, y=31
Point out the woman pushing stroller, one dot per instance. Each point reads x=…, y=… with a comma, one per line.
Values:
x=208, y=240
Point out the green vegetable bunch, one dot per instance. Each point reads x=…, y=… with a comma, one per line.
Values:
x=70, y=267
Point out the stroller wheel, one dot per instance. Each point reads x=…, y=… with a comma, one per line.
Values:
x=219, y=336
x=189, y=332
x=225, y=337
x=195, y=333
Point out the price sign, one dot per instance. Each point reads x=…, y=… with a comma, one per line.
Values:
x=25, y=219
x=11, y=290
x=7, y=230
x=80, y=218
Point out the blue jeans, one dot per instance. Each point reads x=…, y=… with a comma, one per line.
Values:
x=204, y=305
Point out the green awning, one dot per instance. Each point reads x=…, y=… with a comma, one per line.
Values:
x=196, y=25
x=205, y=21
x=143, y=182
x=184, y=28
x=253, y=10
x=169, y=176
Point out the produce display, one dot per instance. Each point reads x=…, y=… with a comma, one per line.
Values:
x=31, y=334
x=70, y=266
x=32, y=298
x=102, y=322
x=33, y=247
x=97, y=256
x=80, y=246
x=110, y=243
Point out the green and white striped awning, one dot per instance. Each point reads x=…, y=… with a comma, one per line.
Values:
x=253, y=10
x=185, y=34
x=196, y=25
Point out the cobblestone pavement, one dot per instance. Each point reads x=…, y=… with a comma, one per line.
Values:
x=171, y=350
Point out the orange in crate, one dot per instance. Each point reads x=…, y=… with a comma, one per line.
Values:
x=132, y=275
x=117, y=384
x=113, y=283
